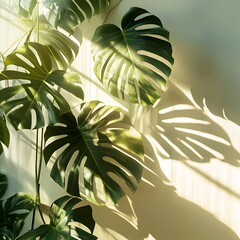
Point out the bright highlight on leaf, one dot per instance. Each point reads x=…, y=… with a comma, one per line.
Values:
x=66, y=218
x=65, y=14
x=34, y=87
x=133, y=62
x=62, y=49
x=92, y=154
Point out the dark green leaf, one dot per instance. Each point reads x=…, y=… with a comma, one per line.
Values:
x=133, y=62
x=4, y=134
x=34, y=87
x=95, y=152
x=3, y=184
x=14, y=212
x=65, y=218
x=6, y=234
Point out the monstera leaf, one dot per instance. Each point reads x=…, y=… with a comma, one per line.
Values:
x=4, y=134
x=65, y=217
x=13, y=214
x=95, y=152
x=65, y=14
x=135, y=61
x=35, y=87
x=62, y=48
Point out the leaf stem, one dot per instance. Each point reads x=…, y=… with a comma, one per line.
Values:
x=111, y=11
x=38, y=168
x=36, y=179
x=14, y=43
x=38, y=22
x=38, y=176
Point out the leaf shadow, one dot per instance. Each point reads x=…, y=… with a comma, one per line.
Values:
x=184, y=131
x=156, y=211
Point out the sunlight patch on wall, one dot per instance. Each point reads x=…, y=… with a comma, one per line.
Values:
x=213, y=140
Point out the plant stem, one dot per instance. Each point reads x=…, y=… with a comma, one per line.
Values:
x=36, y=179
x=17, y=42
x=38, y=176
x=38, y=168
x=38, y=160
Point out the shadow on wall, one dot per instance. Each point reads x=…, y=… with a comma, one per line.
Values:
x=179, y=130
x=182, y=130
x=160, y=213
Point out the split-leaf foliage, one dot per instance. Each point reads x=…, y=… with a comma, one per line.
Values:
x=96, y=153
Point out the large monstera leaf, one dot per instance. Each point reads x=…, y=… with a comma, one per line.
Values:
x=4, y=134
x=133, y=62
x=65, y=218
x=96, y=155
x=65, y=14
x=34, y=87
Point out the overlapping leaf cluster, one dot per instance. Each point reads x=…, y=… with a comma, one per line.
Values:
x=94, y=153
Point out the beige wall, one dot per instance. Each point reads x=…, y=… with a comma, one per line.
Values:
x=191, y=185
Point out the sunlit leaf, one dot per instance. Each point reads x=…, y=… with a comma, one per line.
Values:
x=34, y=87
x=65, y=14
x=94, y=152
x=26, y=7
x=66, y=218
x=62, y=48
x=4, y=134
x=13, y=214
x=133, y=62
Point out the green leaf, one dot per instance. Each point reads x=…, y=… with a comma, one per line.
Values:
x=3, y=184
x=26, y=7
x=95, y=153
x=34, y=87
x=65, y=14
x=62, y=48
x=6, y=234
x=4, y=134
x=133, y=62
x=14, y=212
x=65, y=218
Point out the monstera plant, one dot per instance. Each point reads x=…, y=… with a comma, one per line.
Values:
x=94, y=153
